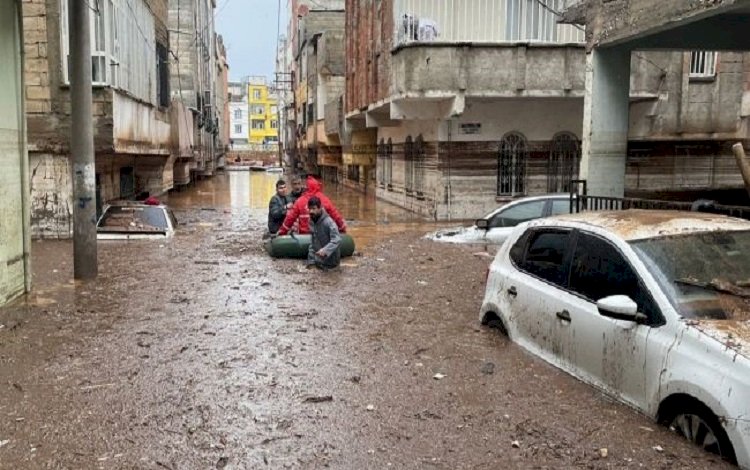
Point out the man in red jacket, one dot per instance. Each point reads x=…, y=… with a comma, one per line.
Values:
x=300, y=212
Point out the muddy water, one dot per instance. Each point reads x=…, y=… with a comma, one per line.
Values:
x=201, y=352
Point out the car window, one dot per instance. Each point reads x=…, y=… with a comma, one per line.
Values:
x=517, y=214
x=545, y=256
x=599, y=270
x=133, y=219
x=560, y=206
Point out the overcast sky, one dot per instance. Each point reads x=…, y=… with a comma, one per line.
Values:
x=249, y=28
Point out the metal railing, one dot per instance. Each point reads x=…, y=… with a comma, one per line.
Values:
x=580, y=201
x=487, y=21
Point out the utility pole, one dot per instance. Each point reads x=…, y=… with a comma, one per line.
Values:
x=85, y=264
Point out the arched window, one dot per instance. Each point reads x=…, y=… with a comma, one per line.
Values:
x=381, y=163
x=511, y=165
x=389, y=164
x=418, y=162
x=409, y=166
x=564, y=159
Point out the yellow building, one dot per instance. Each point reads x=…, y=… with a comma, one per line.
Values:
x=264, y=116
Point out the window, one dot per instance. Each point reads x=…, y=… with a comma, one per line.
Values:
x=259, y=124
x=259, y=110
x=238, y=114
x=599, y=270
x=564, y=158
x=124, y=52
x=511, y=165
x=274, y=110
x=256, y=94
x=162, y=72
x=545, y=256
x=274, y=124
x=560, y=207
x=517, y=214
x=238, y=128
x=703, y=64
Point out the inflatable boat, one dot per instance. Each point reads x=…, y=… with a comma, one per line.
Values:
x=296, y=246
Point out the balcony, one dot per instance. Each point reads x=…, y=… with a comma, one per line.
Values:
x=486, y=49
x=483, y=21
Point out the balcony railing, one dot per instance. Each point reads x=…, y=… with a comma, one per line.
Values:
x=485, y=21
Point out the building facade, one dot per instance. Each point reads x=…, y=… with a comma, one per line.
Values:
x=15, y=240
x=131, y=105
x=263, y=113
x=239, y=125
x=452, y=107
x=318, y=83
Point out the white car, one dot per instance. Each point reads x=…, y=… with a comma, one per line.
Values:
x=495, y=227
x=133, y=221
x=651, y=307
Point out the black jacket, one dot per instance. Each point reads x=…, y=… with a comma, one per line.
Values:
x=277, y=212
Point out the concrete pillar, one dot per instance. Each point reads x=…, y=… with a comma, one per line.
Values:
x=605, y=121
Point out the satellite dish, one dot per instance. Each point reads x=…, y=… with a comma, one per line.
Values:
x=303, y=10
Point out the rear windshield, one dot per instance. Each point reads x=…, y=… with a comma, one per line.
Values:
x=133, y=219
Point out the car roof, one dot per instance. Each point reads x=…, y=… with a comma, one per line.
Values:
x=638, y=224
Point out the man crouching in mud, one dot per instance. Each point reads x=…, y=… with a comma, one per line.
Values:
x=325, y=247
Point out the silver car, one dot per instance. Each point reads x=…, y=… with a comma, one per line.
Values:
x=133, y=221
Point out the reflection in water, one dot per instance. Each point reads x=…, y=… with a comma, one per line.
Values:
x=368, y=219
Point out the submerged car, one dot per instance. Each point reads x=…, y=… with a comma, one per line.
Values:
x=495, y=227
x=132, y=221
x=651, y=307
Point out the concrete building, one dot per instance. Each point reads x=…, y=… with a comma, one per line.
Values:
x=454, y=106
x=691, y=110
x=222, y=102
x=15, y=240
x=288, y=70
x=130, y=47
x=193, y=80
x=263, y=114
x=318, y=87
x=239, y=125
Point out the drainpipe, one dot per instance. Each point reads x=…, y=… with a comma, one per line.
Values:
x=739, y=155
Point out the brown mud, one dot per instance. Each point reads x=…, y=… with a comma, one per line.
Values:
x=201, y=352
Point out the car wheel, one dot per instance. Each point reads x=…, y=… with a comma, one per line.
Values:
x=699, y=425
x=492, y=320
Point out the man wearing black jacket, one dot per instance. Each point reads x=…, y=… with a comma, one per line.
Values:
x=280, y=203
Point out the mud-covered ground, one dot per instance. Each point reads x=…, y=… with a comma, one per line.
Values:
x=201, y=352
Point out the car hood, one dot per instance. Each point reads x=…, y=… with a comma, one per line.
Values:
x=459, y=235
x=734, y=334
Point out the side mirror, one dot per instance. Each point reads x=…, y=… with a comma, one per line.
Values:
x=620, y=307
x=483, y=224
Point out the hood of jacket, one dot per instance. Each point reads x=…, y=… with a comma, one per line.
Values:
x=314, y=186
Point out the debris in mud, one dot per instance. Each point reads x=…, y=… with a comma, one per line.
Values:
x=212, y=263
x=488, y=368
x=515, y=444
x=355, y=379
x=321, y=399
x=370, y=407
x=603, y=452
x=658, y=448
x=4, y=443
x=439, y=376
x=223, y=461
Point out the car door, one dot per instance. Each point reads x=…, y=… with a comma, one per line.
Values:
x=607, y=352
x=501, y=224
x=542, y=259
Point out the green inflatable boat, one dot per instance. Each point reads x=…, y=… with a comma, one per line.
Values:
x=296, y=246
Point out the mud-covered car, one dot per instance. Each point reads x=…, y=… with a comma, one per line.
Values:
x=495, y=227
x=651, y=307
x=133, y=221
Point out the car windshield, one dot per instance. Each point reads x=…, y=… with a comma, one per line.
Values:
x=705, y=275
x=133, y=219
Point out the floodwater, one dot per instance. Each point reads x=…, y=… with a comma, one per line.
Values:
x=201, y=352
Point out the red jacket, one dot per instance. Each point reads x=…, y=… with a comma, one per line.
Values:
x=300, y=211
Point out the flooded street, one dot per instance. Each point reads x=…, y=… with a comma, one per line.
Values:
x=202, y=352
